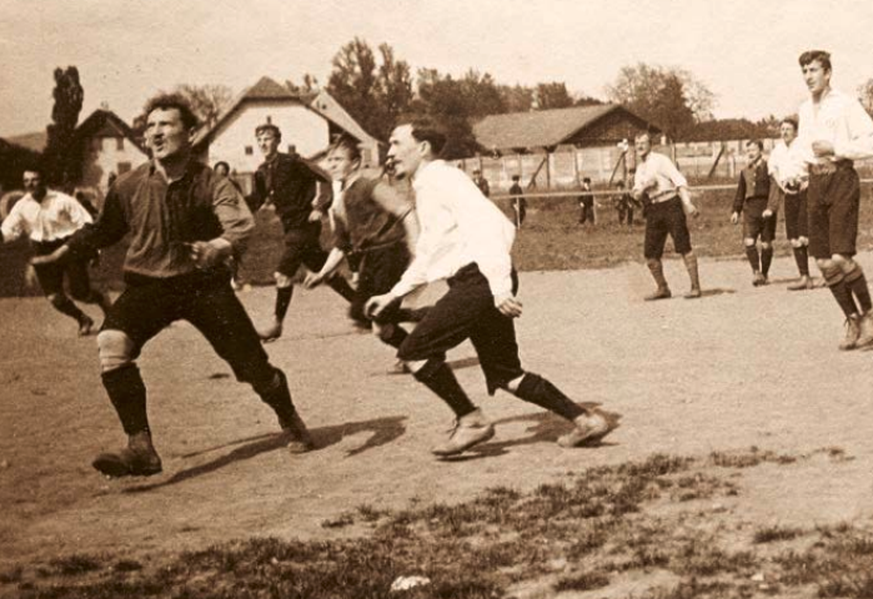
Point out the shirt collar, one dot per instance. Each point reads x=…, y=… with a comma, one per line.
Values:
x=423, y=171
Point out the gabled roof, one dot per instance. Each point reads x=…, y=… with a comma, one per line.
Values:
x=34, y=142
x=327, y=106
x=105, y=123
x=542, y=128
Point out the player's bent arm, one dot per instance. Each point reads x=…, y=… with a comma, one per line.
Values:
x=334, y=259
x=55, y=256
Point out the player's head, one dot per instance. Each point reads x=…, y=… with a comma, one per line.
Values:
x=516, y=178
x=414, y=141
x=221, y=168
x=816, y=67
x=170, y=126
x=477, y=172
x=586, y=180
x=343, y=158
x=269, y=137
x=643, y=144
x=788, y=129
x=619, y=184
x=34, y=181
x=754, y=149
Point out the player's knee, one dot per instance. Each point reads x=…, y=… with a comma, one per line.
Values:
x=766, y=245
x=749, y=242
x=57, y=300
x=795, y=243
x=653, y=263
x=803, y=241
x=116, y=349
x=283, y=281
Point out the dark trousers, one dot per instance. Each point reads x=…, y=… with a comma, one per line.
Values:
x=467, y=311
x=378, y=271
x=51, y=276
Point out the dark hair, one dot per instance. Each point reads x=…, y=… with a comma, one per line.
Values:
x=619, y=184
x=426, y=129
x=824, y=58
x=586, y=180
x=755, y=142
x=33, y=166
x=515, y=177
x=269, y=128
x=221, y=163
x=349, y=144
x=173, y=101
x=791, y=120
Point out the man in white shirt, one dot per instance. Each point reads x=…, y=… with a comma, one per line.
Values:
x=465, y=239
x=833, y=131
x=788, y=172
x=663, y=190
x=49, y=218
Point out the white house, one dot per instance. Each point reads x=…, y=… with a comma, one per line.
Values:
x=108, y=145
x=307, y=122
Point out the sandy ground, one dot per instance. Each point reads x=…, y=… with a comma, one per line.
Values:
x=743, y=367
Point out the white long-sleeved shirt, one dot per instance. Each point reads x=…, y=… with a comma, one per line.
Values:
x=839, y=119
x=785, y=163
x=458, y=225
x=657, y=175
x=56, y=217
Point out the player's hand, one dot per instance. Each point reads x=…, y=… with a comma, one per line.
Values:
x=207, y=253
x=313, y=279
x=30, y=277
x=508, y=305
x=316, y=216
x=376, y=304
x=690, y=210
x=55, y=256
x=767, y=213
x=735, y=218
x=822, y=148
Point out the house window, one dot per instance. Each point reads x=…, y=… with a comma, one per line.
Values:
x=123, y=167
x=249, y=150
x=119, y=143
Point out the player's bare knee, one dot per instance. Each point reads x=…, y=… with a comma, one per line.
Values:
x=749, y=242
x=804, y=241
x=653, y=262
x=417, y=366
x=766, y=245
x=115, y=348
x=795, y=243
x=512, y=386
x=283, y=281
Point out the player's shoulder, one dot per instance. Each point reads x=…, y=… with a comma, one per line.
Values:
x=129, y=180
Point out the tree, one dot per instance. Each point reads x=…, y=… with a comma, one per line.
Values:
x=516, y=98
x=671, y=98
x=552, y=95
x=865, y=95
x=207, y=101
x=63, y=161
x=310, y=85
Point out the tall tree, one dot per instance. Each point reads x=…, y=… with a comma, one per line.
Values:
x=309, y=85
x=552, y=95
x=207, y=101
x=63, y=160
x=516, y=98
x=671, y=98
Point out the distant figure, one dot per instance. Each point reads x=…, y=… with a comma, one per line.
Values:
x=222, y=170
x=49, y=218
x=753, y=193
x=111, y=179
x=586, y=203
x=624, y=205
x=482, y=183
x=519, y=203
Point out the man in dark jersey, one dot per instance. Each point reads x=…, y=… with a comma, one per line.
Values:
x=753, y=193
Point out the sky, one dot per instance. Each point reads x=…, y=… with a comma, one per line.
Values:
x=744, y=51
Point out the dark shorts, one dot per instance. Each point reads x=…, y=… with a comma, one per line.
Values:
x=796, y=215
x=302, y=246
x=207, y=301
x=754, y=224
x=833, y=200
x=467, y=311
x=378, y=272
x=51, y=276
x=662, y=219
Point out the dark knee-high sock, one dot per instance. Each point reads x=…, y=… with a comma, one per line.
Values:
x=442, y=381
x=691, y=266
x=837, y=284
x=339, y=284
x=127, y=393
x=752, y=255
x=766, y=259
x=65, y=305
x=101, y=299
x=656, y=267
x=283, y=300
x=857, y=284
x=276, y=394
x=801, y=257
x=537, y=390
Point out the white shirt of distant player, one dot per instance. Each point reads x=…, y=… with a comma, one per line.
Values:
x=839, y=119
x=659, y=177
x=458, y=225
x=786, y=162
x=56, y=217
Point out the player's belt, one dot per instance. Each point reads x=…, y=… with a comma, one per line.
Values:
x=665, y=198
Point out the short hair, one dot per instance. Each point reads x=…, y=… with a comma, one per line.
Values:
x=824, y=58
x=427, y=129
x=269, y=128
x=515, y=177
x=221, y=163
x=170, y=102
x=643, y=134
x=477, y=171
x=349, y=145
x=33, y=167
x=619, y=184
x=755, y=142
x=586, y=180
x=791, y=120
